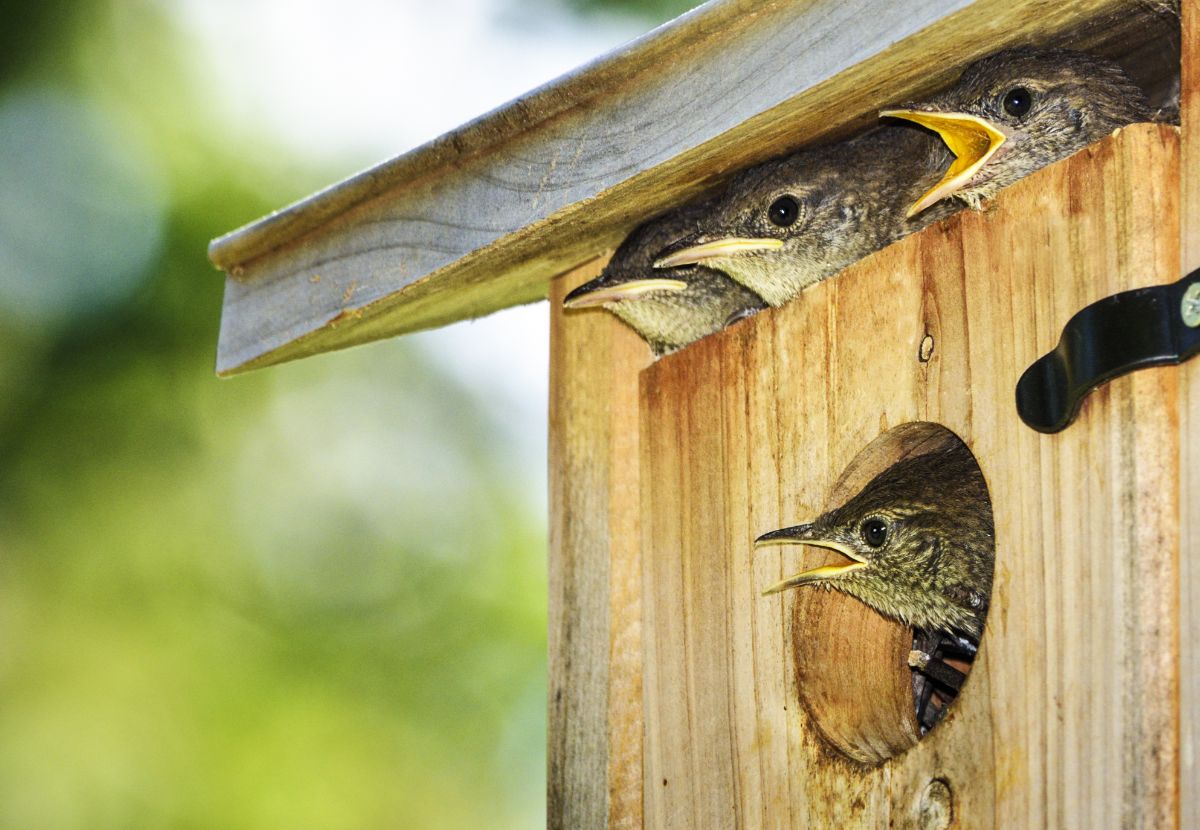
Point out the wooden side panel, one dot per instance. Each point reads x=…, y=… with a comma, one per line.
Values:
x=1069, y=718
x=1189, y=531
x=1189, y=115
x=595, y=727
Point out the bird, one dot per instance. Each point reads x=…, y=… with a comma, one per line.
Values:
x=785, y=224
x=668, y=311
x=920, y=542
x=1019, y=110
x=788, y=223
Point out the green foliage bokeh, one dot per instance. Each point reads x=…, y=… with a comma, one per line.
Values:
x=306, y=597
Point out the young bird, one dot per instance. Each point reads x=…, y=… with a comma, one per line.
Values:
x=1017, y=111
x=791, y=222
x=669, y=310
x=920, y=540
x=788, y=223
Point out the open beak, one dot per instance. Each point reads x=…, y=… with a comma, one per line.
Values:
x=717, y=248
x=805, y=535
x=596, y=293
x=972, y=140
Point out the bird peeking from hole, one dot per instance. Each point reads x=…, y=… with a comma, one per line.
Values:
x=667, y=310
x=788, y=223
x=919, y=541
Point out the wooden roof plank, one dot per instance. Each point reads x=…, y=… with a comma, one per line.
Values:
x=483, y=217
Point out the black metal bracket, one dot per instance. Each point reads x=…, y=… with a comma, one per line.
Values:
x=1132, y=330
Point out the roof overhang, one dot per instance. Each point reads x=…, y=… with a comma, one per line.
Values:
x=485, y=216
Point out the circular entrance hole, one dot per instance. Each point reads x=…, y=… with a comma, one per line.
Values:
x=855, y=667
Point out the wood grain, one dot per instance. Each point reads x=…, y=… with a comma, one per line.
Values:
x=1189, y=379
x=1069, y=718
x=485, y=216
x=595, y=724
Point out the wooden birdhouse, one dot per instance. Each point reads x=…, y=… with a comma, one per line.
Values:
x=680, y=696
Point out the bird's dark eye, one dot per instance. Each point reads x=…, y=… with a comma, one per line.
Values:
x=784, y=211
x=874, y=532
x=1017, y=101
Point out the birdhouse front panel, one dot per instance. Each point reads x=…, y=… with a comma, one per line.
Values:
x=698, y=678
x=796, y=709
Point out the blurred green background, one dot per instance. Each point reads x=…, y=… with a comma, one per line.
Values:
x=311, y=597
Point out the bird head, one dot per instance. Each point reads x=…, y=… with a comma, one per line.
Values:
x=917, y=539
x=616, y=287
x=630, y=275
x=774, y=230
x=1019, y=110
x=668, y=309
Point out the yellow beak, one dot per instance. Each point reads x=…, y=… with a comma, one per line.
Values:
x=621, y=291
x=718, y=248
x=972, y=140
x=802, y=535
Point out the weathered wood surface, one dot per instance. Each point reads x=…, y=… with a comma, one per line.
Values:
x=485, y=216
x=1070, y=716
x=595, y=725
x=1189, y=430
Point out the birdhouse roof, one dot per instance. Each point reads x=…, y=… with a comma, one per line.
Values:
x=485, y=216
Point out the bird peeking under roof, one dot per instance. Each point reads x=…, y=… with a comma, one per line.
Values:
x=788, y=223
x=919, y=540
x=668, y=310
x=1017, y=111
